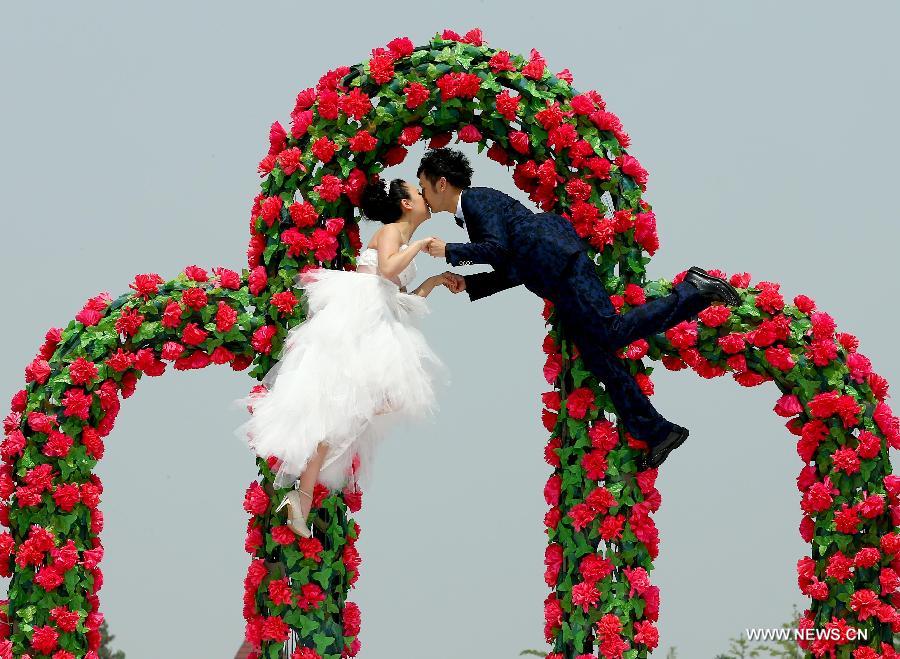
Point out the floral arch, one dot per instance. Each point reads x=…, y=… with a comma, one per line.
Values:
x=568, y=152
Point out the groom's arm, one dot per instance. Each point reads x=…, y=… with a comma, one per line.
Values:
x=488, y=252
x=482, y=284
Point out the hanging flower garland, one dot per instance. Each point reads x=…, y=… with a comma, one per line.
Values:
x=568, y=154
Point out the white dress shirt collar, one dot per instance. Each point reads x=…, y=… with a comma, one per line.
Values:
x=459, y=210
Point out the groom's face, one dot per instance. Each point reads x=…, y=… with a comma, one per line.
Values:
x=435, y=194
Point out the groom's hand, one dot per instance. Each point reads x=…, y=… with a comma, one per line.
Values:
x=437, y=247
x=456, y=283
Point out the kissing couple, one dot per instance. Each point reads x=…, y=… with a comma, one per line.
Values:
x=359, y=364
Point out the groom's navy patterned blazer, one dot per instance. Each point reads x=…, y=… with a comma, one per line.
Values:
x=543, y=252
x=523, y=247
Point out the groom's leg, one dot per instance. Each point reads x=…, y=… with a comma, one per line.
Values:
x=633, y=407
x=584, y=292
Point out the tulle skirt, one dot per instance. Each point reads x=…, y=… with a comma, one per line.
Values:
x=354, y=369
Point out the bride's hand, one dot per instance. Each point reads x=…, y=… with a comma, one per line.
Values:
x=423, y=244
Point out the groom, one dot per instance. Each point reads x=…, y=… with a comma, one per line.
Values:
x=544, y=253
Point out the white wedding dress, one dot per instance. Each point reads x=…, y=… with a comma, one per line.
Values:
x=358, y=352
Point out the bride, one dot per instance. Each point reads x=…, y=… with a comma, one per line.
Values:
x=356, y=366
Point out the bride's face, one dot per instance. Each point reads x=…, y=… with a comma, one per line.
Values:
x=415, y=207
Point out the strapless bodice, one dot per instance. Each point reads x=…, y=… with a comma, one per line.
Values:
x=367, y=261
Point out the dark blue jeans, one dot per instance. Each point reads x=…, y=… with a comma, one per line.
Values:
x=589, y=318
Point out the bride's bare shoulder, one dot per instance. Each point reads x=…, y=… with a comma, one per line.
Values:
x=388, y=231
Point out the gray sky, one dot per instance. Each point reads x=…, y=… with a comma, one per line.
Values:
x=131, y=136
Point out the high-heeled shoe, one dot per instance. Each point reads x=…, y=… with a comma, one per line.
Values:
x=295, y=511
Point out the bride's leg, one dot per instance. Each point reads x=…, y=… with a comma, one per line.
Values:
x=310, y=476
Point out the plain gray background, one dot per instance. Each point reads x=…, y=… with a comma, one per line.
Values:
x=130, y=140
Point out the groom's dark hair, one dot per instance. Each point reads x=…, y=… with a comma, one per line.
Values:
x=449, y=163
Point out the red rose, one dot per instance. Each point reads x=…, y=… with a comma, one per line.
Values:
x=226, y=317
x=498, y=154
x=645, y=231
x=501, y=62
x=129, y=322
x=356, y=104
x=330, y=188
x=715, y=315
x=409, y=135
x=262, y=338
x=638, y=349
x=473, y=37
x=300, y=123
x=535, y=67
x=860, y=366
x=328, y=104
x=64, y=618
x=147, y=285
x=326, y=245
x=193, y=334
x=401, y=47
x=610, y=122
x=277, y=138
x=57, y=445
x=394, y=156
x=582, y=104
x=600, y=167
x=257, y=280
x=289, y=161
x=92, y=442
x=780, y=357
x=303, y=213
x=48, y=578
x=579, y=401
x=520, y=141
x=416, y=94
x=469, y=134
x=324, y=150
x=552, y=368
x=305, y=100
x=549, y=418
x=44, y=639
x=440, y=141
x=458, y=85
x=172, y=315
x=630, y=166
x=683, y=335
x=381, y=66
x=266, y=165
x=585, y=595
x=66, y=496
x=869, y=445
x=285, y=301
x=788, y=405
x=769, y=299
x=363, y=141
x=77, y=403
x=508, y=105
x=194, y=298
x=228, y=278
x=37, y=371
x=270, y=209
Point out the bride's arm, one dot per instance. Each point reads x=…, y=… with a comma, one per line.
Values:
x=429, y=285
x=391, y=259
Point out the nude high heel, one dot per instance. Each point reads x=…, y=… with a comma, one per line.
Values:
x=295, y=523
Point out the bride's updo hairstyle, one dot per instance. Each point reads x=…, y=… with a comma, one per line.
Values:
x=382, y=203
